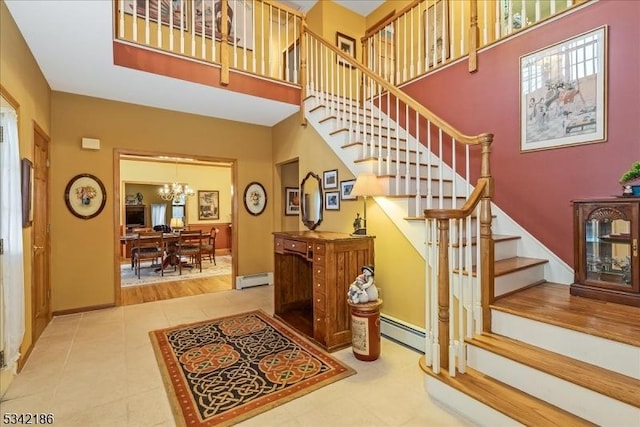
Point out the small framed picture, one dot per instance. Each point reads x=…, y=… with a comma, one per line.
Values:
x=345, y=190
x=292, y=201
x=332, y=200
x=330, y=179
x=347, y=45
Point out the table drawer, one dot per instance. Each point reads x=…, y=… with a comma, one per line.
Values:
x=318, y=259
x=295, y=246
x=318, y=248
x=278, y=245
x=319, y=300
x=318, y=273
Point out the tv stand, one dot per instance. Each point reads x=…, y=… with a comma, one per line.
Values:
x=313, y=271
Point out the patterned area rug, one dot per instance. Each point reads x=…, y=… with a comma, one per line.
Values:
x=223, y=371
x=149, y=275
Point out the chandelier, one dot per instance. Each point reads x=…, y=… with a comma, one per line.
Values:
x=175, y=191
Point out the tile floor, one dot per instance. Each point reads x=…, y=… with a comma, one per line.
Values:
x=98, y=369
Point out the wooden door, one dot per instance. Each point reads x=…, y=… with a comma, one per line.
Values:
x=41, y=297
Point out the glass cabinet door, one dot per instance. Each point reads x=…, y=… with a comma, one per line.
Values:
x=608, y=248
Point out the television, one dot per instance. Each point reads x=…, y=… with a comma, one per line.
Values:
x=135, y=216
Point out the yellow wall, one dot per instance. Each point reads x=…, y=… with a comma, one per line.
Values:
x=399, y=268
x=199, y=177
x=134, y=127
x=21, y=77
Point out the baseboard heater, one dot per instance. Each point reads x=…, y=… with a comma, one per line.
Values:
x=403, y=332
x=249, y=280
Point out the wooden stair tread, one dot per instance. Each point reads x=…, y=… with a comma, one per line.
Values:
x=510, y=401
x=553, y=304
x=595, y=378
x=517, y=263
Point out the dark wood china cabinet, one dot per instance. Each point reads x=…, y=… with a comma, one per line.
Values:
x=606, y=234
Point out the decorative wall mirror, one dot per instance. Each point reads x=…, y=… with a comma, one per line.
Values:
x=311, y=200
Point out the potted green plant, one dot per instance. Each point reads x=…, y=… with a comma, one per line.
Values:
x=630, y=176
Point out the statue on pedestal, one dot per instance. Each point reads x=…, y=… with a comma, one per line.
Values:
x=363, y=289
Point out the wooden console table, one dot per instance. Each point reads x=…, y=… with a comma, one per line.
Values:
x=313, y=271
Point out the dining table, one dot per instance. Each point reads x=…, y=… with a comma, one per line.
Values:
x=170, y=243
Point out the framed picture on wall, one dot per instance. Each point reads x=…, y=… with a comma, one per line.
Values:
x=292, y=201
x=167, y=7
x=347, y=45
x=330, y=179
x=208, y=205
x=332, y=200
x=345, y=190
x=436, y=33
x=563, y=93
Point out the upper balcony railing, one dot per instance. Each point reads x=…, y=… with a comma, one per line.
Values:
x=262, y=37
x=426, y=34
x=255, y=36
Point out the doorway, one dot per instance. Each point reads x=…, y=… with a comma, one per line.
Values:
x=41, y=243
x=140, y=180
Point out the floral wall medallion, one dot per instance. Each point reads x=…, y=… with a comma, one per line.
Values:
x=85, y=196
x=255, y=198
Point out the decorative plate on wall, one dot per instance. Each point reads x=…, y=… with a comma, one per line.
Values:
x=255, y=198
x=85, y=196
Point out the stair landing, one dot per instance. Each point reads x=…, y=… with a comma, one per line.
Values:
x=553, y=304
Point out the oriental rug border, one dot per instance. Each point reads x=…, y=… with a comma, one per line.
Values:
x=225, y=370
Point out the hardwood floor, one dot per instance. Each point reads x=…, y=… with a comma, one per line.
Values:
x=182, y=288
x=552, y=303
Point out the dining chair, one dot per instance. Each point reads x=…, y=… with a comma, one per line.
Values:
x=190, y=245
x=209, y=246
x=149, y=246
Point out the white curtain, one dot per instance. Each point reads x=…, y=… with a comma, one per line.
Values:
x=11, y=233
x=158, y=214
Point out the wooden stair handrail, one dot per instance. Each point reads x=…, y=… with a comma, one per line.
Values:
x=474, y=198
x=402, y=96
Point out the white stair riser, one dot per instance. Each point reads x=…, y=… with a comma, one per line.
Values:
x=389, y=184
x=417, y=210
x=479, y=413
x=585, y=403
x=505, y=249
x=588, y=348
x=518, y=279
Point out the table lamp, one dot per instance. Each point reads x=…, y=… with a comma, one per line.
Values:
x=366, y=185
x=176, y=223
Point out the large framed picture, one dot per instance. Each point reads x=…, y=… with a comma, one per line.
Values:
x=167, y=8
x=563, y=93
x=239, y=20
x=436, y=33
x=208, y=204
x=292, y=201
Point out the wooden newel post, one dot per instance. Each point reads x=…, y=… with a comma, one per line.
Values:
x=443, y=291
x=487, y=252
x=474, y=34
x=303, y=70
x=224, y=42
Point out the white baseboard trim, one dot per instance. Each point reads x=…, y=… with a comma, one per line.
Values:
x=403, y=332
x=249, y=280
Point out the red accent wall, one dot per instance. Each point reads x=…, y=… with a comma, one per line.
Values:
x=536, y=188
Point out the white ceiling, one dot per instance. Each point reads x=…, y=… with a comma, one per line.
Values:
x=72, y=42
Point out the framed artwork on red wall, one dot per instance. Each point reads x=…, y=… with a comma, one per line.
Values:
x=563, y=93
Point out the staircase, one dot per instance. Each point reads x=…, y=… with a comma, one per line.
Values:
x=531, y=368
